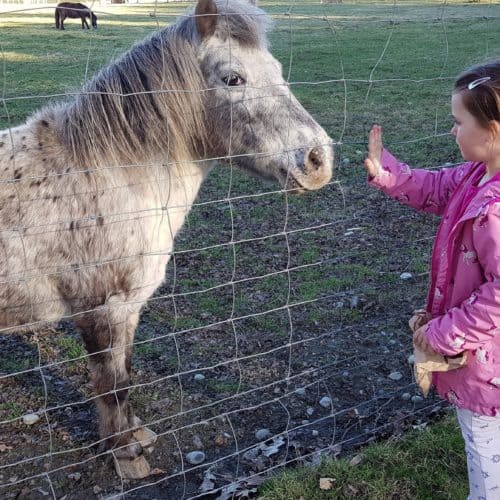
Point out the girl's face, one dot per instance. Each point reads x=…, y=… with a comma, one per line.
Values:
x=476, y=143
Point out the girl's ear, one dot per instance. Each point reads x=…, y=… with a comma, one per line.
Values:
x=495, y=128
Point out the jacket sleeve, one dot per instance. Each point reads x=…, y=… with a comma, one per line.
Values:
x=425, y=190
x=475, y=321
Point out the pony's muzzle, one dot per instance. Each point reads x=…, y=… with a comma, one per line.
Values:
x=316, y=167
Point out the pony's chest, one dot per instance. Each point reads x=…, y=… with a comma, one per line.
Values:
x=157, y=208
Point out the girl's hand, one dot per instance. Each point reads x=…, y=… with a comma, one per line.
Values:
x=373, y=162
x=420, y=341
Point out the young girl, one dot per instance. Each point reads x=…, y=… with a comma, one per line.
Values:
x=464, y=294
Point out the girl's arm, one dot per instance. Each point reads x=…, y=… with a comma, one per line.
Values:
x=421, y=189
x=477, y=320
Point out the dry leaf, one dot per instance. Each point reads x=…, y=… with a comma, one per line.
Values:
x=4, y=447
x=208, y=483
x=326, y=483
x=156, y=471
x=352, y=490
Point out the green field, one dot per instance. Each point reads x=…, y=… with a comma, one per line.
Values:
x=350, y=64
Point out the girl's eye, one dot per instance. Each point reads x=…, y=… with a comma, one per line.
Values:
x=233, y=80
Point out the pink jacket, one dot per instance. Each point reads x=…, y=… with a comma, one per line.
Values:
x=464, y=293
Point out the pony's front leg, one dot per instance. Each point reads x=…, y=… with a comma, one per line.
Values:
x=85, y=24
x=108, y=333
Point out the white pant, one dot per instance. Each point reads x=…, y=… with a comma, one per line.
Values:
x=482, y=447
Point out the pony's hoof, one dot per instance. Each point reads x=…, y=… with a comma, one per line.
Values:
x=138, y=468
x=146, y=438
x=129, y=451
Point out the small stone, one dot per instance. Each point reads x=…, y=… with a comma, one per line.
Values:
x=262, y=434
x=315, y=433
x=356, y=460
x=345, y=374
x=396, y=376
x=195, y=457
x=300, y=391
x=417, y=399
x=405, y=396
x=325, y=402
x=346, y=161
x=31, y=418
x=76, y=476
x=199, y=377
x=96, y=489
x=406, y=276
x=411, y=359
x=304, y=422
x=354, y=302
x=420, y=427
x=310, y=411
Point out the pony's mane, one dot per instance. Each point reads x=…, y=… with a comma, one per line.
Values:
x=150, y=100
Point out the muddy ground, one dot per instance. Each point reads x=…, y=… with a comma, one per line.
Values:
x=327, y=318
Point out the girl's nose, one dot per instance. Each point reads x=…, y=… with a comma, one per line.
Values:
x=453, y=130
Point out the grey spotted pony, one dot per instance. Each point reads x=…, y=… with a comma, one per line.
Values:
x=94, y=190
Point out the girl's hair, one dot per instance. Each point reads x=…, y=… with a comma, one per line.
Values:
x=480, y=88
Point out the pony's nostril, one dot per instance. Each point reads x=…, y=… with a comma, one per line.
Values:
x=315, y=158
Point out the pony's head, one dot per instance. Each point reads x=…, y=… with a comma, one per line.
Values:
x=253, y=118
x=93, y=18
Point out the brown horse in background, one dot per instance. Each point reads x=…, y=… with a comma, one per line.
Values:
x=74, y=11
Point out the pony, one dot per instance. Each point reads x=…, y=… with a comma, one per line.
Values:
x=94, y=189
x=74, y=11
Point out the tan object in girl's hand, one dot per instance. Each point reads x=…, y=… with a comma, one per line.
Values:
x=425, y=363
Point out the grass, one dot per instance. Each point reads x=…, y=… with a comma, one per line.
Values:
x=71, y=348
x=16, y=364
x=428, y=464
x=10, y=410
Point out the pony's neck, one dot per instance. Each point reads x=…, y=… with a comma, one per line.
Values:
x=145, y=106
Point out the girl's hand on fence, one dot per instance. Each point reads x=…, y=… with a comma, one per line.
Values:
x=373, y=162
x=420, y=341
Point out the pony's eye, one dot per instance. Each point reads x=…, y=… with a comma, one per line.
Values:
x=233, y=80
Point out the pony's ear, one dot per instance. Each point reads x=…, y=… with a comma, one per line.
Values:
x=206, y=18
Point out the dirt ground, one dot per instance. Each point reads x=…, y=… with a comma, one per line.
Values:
x=211, y=369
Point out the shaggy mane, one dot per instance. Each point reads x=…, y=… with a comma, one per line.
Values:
x=150, y=101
